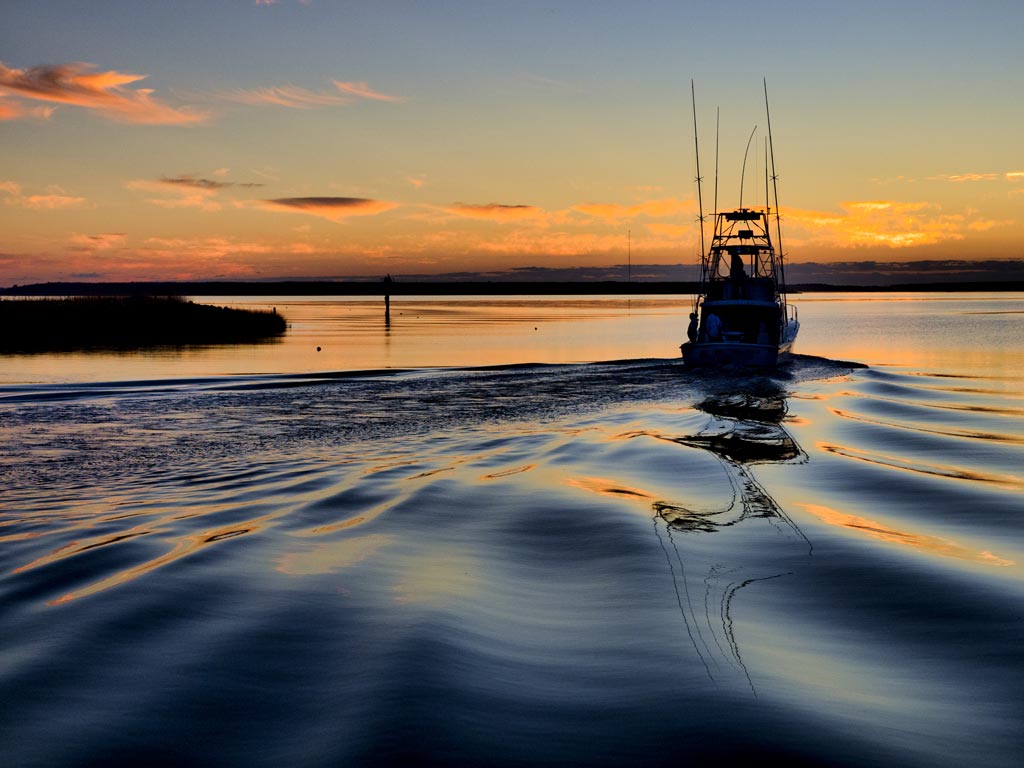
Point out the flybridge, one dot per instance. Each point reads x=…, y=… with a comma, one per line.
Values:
x=744, y=214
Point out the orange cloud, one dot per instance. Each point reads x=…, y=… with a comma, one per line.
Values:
x=102, y=242
x=104, y=92
x=650, y=208
x=671, y=230
x=51, y=202
x=54, y=198
x=880, y=222
x=1015, y=175
x=363, y=91
x=333, y=208
x=15, y=110
x=495, y=211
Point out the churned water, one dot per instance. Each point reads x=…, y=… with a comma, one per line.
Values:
x=534, y=562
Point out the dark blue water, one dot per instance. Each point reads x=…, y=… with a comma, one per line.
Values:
x=611, y=564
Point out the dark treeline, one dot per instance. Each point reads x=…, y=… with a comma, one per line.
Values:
x=447, y=288
x=50, y=325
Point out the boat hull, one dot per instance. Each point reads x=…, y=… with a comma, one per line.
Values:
x=723, y=354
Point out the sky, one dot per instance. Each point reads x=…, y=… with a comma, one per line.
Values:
x=253, y=139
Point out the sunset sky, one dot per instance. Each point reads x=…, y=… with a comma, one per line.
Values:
x=237, y=139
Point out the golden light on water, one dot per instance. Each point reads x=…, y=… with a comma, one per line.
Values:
x=925, y=543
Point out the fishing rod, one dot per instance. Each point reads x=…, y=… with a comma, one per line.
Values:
x=696, y=147
x=743, y=171
x=775, y=188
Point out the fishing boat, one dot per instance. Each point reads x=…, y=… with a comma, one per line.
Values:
x=740, y=315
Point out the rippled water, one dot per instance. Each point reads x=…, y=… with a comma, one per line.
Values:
x=574, y=564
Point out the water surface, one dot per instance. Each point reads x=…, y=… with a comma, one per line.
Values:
x=571, y=563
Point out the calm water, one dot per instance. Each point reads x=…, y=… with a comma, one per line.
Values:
x=583, y=556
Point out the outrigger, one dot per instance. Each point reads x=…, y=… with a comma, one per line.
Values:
x=741, y=316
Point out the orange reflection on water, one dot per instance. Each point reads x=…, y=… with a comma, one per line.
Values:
x=898, y=462
x=607, y=487
x=187, y=545
x=508, y=472
x=930, y=544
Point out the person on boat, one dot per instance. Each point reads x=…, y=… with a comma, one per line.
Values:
x=736, y=267
x=713, y=327
x=737, y=275
x=691, y=330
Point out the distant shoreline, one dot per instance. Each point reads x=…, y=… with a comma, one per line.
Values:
x=451, y=288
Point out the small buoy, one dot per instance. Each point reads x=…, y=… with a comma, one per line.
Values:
x=318, y=349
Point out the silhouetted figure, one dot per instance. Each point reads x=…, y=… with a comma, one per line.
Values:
x=736, y=268
x=737, y=276
x=691, y=330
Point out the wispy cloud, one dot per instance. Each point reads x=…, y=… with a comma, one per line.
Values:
x=297, y=97
x=174, y=194
x=1015, y=175
x=194, y=182
x=960, y=178
x=105, y=92
x=495, y=211
x=186, y=191
x=291, y=96
x=363, y=91
x=332, y=208
x=547, y=83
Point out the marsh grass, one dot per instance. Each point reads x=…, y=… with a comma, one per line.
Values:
x=59, y=324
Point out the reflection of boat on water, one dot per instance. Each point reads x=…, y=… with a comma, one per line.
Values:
x=741, y=316
x=746, y=430
x=707, y=573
